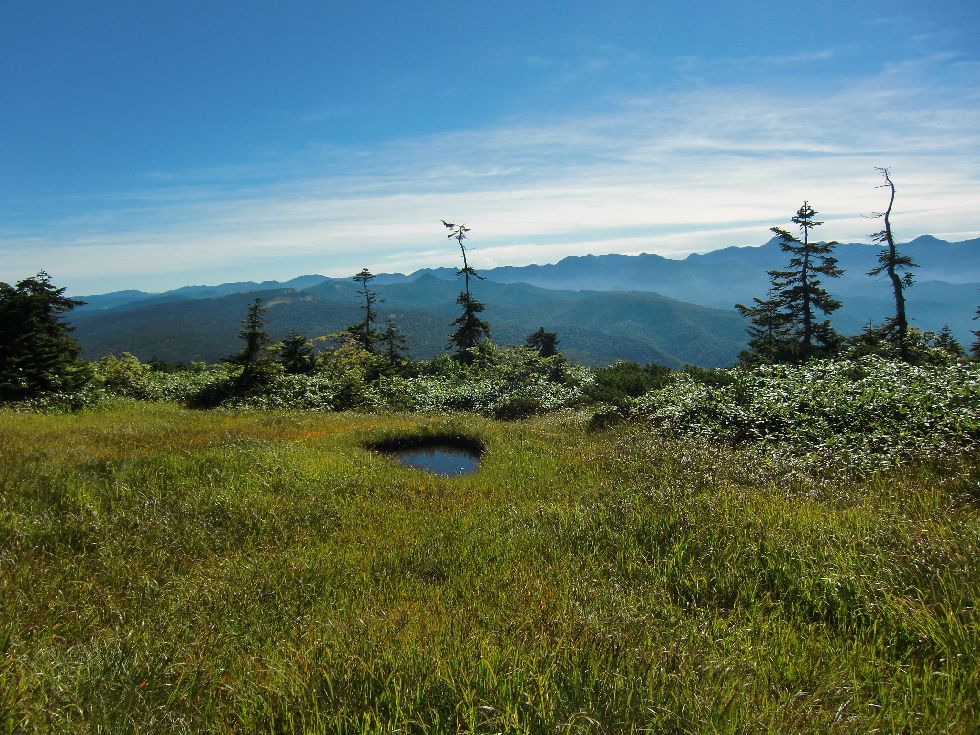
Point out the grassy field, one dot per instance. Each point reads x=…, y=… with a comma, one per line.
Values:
x=165, y=570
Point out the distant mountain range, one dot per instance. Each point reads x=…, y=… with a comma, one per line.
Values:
x=645, y=308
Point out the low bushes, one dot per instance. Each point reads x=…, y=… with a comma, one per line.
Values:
x=879, y=411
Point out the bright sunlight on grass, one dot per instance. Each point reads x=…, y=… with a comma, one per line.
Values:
x=166, y=570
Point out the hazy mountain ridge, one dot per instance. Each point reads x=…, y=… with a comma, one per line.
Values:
x=594, y=328
x=640, y=307
x=945, y=292
x=129, y=298
x=938, y=260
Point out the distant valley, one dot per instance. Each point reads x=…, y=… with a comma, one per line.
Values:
x=645, y=308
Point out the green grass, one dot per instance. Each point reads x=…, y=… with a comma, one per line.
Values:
x=165, y=570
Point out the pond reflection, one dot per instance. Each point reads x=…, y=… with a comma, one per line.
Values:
x=449, y=455
x=439, y=459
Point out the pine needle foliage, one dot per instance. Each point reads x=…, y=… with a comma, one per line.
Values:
x=393, y=342
x=256, y=341
x=363, y=332
x=296, y=354
x=546, y=343
x=786, y=327
x=37, y=353
x=471, y=331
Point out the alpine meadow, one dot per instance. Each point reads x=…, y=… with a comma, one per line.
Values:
x=529, y=449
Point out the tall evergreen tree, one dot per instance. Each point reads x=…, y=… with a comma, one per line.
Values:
x=470, y=331
x=363, y=332
x=786, y=323
x=256, y=341
x=392, y=342
x=890, y=262
x=37, y=353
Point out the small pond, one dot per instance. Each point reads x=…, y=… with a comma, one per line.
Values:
x=449, y=456
x=439, y=460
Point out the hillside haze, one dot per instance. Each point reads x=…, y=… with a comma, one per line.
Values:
x=594, y=327
x=644, y=307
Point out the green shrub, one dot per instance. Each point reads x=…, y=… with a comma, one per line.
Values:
x=124, y=375
x=516, y=407
x=879, y=411
x=623, y=380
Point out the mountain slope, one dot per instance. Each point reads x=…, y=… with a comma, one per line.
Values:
x=594, y=328
x=945, y=292
x=645, y=307
x=120, y=299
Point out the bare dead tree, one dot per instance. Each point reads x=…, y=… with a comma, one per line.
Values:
x=890, y=262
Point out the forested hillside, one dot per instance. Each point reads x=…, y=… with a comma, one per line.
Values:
x=594, y=328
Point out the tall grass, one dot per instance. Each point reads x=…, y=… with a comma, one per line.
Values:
x=163, y=570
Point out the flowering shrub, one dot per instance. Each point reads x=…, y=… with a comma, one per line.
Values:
x=64, y=401
x=317, y=392
x=503, y=382
x=881, y=411
x=480, y=391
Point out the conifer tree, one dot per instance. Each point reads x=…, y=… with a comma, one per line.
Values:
x=946, y=342
x=890, y=262
x=769, y=337
x=363, y=332
x=786, y=324
x=296, y=354
x=546, y=343
x=256, y=341
x=37, y=353
x=471, y=331
x=393, y=342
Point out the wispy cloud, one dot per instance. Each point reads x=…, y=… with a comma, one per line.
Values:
x=670, y=173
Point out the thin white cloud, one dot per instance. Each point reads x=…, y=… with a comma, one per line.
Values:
x=671, y=173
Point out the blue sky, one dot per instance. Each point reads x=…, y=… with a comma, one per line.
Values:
x=157, y=144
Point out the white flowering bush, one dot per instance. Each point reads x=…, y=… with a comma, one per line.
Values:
x=64, y=401
x=124, y=375
x=882, y=410
x=315, y=392
x=508, y=383
x=504, y=382
x=479, y=392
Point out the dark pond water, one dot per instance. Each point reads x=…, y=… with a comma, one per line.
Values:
x=440, y=459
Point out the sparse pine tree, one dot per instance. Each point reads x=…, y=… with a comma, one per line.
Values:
x=896, y=266
x=470, y=331
x=256, y=341
x=393, y=342
x=789, y=315
x=363, y=332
